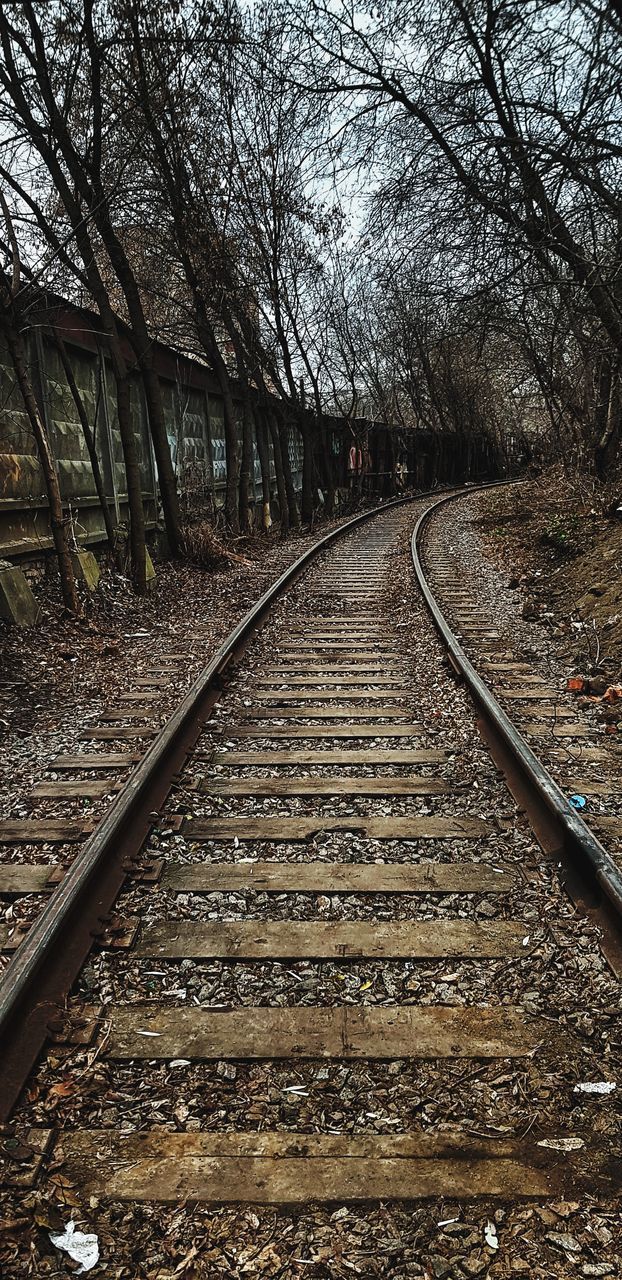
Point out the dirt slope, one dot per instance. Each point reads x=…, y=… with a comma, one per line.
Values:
x=565, y=555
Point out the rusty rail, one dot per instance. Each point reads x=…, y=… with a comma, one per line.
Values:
x=578, y=841
x=45, y=965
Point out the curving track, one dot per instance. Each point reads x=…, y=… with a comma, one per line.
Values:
x=341, y=947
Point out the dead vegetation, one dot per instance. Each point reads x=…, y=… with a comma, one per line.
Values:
x=204, y=548
x=560, y=539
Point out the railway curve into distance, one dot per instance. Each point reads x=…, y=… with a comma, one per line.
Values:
x=326, y=856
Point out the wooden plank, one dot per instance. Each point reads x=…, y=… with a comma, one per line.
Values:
x=507, y=666
x=611, y=825
x=125, y=713
x=509, y=678
x=324, y=711
x=318, y=679
x=337, y=877
x=353, y=622
x=164, y=668
x=529, y=695
x=275, y=827
x=341, y=1031
x=10, y=936
x=334, y=619
x=153, y=682
x=44, y=830
x=300, y=1169
x=478, y=633
x=350, y=669
x=373, y=629
x=336, y=940
x=272, y=759
x=105, y=733
x=547, y=713
x=347, y=634
x=96, y=760
x=343, y=655
x=325, y=731
x=359, y=786
x=335, y=695
x=587, y=787
x=384, y=646
x=347, y=631
x=591, y=755
x=79, y=789
x=544, y=730
x=478, y=629
x=18, y=878
x=167, y=657
x=131, y=695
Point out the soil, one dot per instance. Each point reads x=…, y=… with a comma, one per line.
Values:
x=564, y=554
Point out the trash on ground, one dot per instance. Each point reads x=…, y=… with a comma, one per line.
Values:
x=490, y=1235
x=80, y=1247
x=578, y=802
x=595, y=1086
x=561, y=1144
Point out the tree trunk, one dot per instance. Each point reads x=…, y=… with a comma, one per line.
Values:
x=280, y=474
x=308, y=470
x=88, y=437
x=329, y=471
x=138, y=546
x=264, y=463
x=57, y=519
x=609, y=441
x=142, y=344
x=100, y=296
x=232, y=453
x=292, y=503
x=246, y=463
x=167, y=480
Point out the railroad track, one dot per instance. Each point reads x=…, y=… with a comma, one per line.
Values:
x=317, y=916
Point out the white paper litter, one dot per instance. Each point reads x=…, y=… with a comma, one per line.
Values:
x=80, y=1248
x=157, y=1034
x=490, y=1235
x=595, y=1086
x=562, y=1144
x=179, y=1062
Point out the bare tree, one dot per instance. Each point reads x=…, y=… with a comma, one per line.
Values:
x=12, y=299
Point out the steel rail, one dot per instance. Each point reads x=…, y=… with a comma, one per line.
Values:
x=47, y=962
x=579, y=838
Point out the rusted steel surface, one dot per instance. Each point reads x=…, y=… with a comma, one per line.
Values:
x=578, y=840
